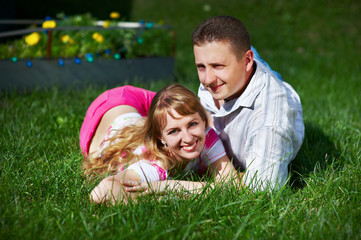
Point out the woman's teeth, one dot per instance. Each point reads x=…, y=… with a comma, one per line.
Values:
x=190, y=148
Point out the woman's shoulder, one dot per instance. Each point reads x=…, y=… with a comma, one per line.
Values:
x=211, y=137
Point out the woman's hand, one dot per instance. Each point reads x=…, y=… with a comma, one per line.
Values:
x=106, y=191
x=111, y=190
x=136, y=186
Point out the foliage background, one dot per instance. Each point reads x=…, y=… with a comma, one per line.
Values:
x=98, y=42
x=39, y=9
x=316, y=47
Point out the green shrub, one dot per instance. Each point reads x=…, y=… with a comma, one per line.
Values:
x=84, y=36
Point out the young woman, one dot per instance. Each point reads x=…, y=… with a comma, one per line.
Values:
x=141, y=153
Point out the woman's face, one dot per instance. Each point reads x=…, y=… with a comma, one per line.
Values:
x=184, y=135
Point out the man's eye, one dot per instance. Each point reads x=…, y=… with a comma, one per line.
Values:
x=201, y=68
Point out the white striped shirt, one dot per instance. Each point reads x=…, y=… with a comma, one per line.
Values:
x=262, y=130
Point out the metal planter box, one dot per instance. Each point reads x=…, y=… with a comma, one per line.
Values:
x=48, y=73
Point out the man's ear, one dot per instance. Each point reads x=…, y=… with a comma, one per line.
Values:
x=249, y=58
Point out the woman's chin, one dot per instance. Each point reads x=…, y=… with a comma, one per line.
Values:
x=190, y=155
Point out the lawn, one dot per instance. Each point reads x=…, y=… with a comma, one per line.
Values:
x=316, y=47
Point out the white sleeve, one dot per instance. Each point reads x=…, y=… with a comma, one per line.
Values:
x=148, y=172
x=269, y=152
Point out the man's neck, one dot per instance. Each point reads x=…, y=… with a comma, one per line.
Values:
x=218, y=103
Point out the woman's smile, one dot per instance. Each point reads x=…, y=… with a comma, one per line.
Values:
x=184, y=136
x=190, y=148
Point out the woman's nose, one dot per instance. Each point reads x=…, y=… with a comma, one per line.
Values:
x=187, y=136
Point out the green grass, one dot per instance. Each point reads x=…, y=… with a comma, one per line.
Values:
x=314, y=44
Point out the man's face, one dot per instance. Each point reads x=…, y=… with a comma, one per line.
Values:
x=219, y=70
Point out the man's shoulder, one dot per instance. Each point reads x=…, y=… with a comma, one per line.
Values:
x=272, y=85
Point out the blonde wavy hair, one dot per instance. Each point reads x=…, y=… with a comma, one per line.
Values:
x=120, y=150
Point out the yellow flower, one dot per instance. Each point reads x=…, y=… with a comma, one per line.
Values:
x=98, y=37
x=114, y=15
x=49, y=24
x=66, y=39
x=106, y=23
x=32, y=39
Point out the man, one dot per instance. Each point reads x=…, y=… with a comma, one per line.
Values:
x=256, y=114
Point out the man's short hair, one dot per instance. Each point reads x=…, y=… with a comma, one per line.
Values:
x=223, y=29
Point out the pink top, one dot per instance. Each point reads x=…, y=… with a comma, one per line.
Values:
x=126, y=95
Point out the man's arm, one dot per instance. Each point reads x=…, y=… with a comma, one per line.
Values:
x=269, y=152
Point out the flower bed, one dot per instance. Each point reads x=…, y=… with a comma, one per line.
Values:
x=80, y=49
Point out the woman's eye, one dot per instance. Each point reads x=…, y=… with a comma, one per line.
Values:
x=172, y=132
x=193, y=124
